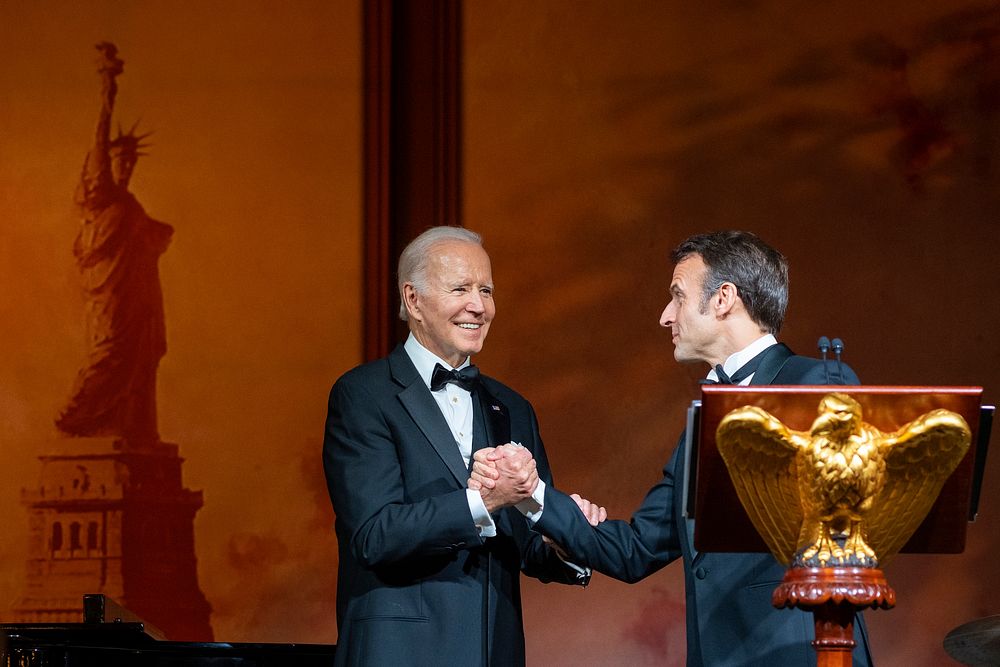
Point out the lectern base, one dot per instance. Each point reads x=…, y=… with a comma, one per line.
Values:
x=834, y=595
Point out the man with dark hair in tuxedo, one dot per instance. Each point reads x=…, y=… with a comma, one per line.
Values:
x=728, y=296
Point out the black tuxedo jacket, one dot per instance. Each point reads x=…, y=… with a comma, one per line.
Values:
x=416, y=584
x=730, y=619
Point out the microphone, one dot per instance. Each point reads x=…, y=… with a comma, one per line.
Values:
x=838, y=348
x=824, y=346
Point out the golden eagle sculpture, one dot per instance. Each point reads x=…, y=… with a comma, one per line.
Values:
x=843, y=493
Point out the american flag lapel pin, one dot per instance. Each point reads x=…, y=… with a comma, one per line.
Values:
x=496, y=407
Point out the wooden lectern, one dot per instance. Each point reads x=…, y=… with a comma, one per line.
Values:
x=832, y=592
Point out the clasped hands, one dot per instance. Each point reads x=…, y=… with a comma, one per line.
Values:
x=507, y=474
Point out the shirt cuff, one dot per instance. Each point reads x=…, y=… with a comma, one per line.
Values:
x=581, y=572
x=481, y=517
x=532, y=507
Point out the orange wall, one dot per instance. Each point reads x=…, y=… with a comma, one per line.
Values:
x=256, y=163
x=598, y=135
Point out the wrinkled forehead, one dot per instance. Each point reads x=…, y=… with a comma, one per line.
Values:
x=452, y=260
x=689, y=273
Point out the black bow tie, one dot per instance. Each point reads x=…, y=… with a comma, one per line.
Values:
x=741, y=374
x=466, y=378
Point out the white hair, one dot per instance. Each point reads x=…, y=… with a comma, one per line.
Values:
x=413, y=260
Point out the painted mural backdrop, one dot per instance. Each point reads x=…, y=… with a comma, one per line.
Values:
x=859, y=138
x=215, y=314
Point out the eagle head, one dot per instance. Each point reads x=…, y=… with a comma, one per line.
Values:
x=839, y=417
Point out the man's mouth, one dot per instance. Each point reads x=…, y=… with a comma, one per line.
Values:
x=469, y=325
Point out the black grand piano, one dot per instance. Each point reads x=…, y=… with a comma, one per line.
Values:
x=111, y=636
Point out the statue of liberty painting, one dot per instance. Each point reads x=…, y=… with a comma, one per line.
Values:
x=117, y=251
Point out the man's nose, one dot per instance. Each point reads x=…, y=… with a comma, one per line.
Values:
x=668, y=315
x=475, y=302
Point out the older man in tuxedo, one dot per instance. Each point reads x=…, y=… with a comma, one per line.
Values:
x=728, y=296
x=429, y=569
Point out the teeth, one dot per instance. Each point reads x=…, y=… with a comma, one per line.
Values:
x=469, y=325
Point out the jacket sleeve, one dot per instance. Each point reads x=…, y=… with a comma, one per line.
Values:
x=625, y=550
x=375, y=512
x=538, y=559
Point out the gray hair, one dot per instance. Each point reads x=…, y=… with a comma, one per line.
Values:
x=759, y=272
x=413, y=260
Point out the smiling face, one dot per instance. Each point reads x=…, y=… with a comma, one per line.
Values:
x=452, y=315
x=695, y=330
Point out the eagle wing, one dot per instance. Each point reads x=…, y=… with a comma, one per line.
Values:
x=760, y=453
x=919, y=459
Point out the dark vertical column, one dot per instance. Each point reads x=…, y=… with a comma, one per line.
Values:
x=412, y=143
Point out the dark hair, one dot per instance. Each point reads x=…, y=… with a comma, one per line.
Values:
x=759, y=272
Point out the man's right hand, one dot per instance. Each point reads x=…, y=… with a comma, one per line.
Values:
x=504, y=475
x=486, y=473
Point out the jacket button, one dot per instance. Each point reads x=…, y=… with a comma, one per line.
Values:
x=701, y=573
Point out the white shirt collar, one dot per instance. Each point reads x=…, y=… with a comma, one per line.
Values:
x=425, y=360
x=736, y=360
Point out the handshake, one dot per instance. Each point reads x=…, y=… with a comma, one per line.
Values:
x=506, y=475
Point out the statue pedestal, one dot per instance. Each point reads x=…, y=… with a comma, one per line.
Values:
x=834, y=595
x=113, y=516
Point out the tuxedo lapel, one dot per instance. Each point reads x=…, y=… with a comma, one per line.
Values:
x=496, y=418
x=770, y=364
x=418, y=402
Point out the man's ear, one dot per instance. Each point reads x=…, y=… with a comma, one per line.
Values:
x=411, y=300
x=726, y=300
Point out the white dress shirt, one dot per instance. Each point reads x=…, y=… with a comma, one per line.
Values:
x=736, y=360
x=456, y=406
